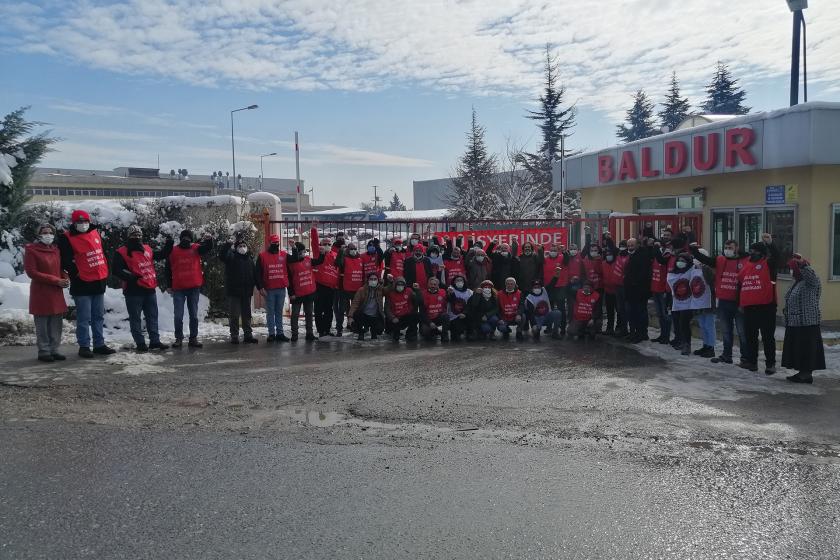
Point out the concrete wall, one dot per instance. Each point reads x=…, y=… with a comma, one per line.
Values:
x=431, y=194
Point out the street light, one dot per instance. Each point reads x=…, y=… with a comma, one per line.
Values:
x=261, y=166
x=232, y=146
x=796, y=6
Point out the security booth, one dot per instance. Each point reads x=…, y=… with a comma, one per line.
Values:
x=775, y=172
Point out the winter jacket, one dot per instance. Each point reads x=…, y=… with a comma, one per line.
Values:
x=411, y=270
x=802, y=300
x=478, y=306
x=240, y=277
x=205, y=247
x=526, y=269
x=42, y=263
x=477, y=272
x=360, y=298
x=121, y=271
x=637, y=275
x=78, y=287
x=502, y=266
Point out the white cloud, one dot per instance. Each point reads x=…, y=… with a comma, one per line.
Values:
x=101, y=110
x=608, y=49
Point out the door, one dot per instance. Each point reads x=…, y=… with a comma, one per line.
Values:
x=750, y=227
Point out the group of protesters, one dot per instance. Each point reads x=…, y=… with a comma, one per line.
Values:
x=453, y=288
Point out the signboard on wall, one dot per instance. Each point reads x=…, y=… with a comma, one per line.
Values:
x=537, y=236
x=781, y=194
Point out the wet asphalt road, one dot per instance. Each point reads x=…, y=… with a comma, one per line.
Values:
x=348, y=450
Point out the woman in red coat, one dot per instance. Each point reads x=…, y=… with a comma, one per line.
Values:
x=42, y=263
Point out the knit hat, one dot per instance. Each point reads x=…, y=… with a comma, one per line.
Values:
x=79, y=216
x=274, y=238
x=400, y=280
x=134, y=229
x=487, y=284
x=45, y=225
x=186, y=234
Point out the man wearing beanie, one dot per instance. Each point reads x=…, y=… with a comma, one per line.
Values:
x=186, y=277
x=84, y=260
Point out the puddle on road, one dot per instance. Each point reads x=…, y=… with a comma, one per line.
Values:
x=315, y=418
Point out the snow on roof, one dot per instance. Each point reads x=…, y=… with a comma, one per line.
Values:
x=416, y=214
x=217, y=200
x=335, y=212
x=265, y=197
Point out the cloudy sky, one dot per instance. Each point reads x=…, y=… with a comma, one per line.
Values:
x=380, y=90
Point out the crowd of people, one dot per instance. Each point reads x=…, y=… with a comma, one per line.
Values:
x=452, y=289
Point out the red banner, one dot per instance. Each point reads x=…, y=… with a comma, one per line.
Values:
x=538, y=236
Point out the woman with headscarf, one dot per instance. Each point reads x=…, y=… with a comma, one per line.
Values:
x=42, y=263
x=803, y=346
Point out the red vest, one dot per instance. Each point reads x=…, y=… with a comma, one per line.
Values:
x=453, y=268
x=420, y=273
x=370, y=263
x=726, y=277
x=88, y=256
x=509, y=304
x=327, y=273
x=302, y=277
x=585, y=305
x=756, y=285
x=659, y=278
x=575, y=266
x=401, y=304
x=549, y=267
x=273, y=265
x=396, y=264
x=141, y=264
x=435, y=304
x=593, y=271
x=614, y=273
x=354, y=277
x=186, y=268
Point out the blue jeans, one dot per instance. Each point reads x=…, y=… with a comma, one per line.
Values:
x=147, y=305
x=190, y=297
x=706, y=320
x=274, y=300
x=661, y=303
x=550, y=320
x=90, y=316
x=728, y=313
x=489, y=325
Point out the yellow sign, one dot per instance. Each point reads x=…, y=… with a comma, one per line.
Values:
x=791, y=193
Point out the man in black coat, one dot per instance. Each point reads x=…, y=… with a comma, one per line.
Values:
x=637, y=276
x=240, y=281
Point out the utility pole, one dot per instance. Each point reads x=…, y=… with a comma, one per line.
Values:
x=562, y=176
x=375, y=198
x=297, y=173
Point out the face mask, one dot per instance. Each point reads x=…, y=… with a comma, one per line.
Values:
x=47, y=238
x=510, y=290
x=729, y=253
x=413, y=242
x=433, y=290
x=552, y=254
x=529, y=251
x=352, y=252
x=372, y=283
x=275, y=247
x=82, y=227
x=398, y=248
x=682, y=264
x=622, y=247
x=536, y=291
x=400, y=287
x=433, y=255
x=610, y=258
x=325, y=248
x=459, y=285
x=587, y=292
x=631, y=251
x=242, y=250
x=185, y=243
x=418, y=255
x=480, y=258
x=371, y=250
x=486, y=292
x=755, y=256
x=573, y=252
x=504, y=253
x=593, y=254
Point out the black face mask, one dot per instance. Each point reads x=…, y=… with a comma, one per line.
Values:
x=132, y=242
x=756, y=257
x=274, y=248
x=185, y=243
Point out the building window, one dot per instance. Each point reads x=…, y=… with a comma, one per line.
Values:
x=746, y=225
x=669, y=204
x=723, y=229
x=780, y=225
x=835, y=241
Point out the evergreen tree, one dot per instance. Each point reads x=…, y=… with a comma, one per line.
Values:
x=553, y=119
x=724, y=95
x=470, y=196
x=639, y=118
x=396, y=204
x=676, y=107
x=20, y=153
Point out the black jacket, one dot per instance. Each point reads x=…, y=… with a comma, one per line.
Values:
x=411, y=269
x=78, y=287
x=239, y=272
x=502, y=266
x=130, y=287
x=526, y=269
x=637, y=275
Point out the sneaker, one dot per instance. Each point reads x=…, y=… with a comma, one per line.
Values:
x=282, y=338
x=706, y=352
x=194, y=343
x=141, y=349
x=722, y=360
x=770, y=369
x=104, y=351
x=46, y=358
x=159, y=346
x=59, y=357
x=271, y=338
x=800, y=379
x=178, y=343
x=85, y=352
x=250, y=340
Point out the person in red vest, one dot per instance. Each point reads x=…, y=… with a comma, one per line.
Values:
x=185, y=279
x=302, y=283
x=372, y=260
x=395, y=259
x=731, y=317
x=613, y=269
x=401, y=304
x=350, y=265
x=327, y=277
x=586, y=318
x=511, y=310
x=555, y=278
x=453, y=261
x=134, y=264
x=418, y=267
x=434, y=319
x=272, y=280
x=757, y=297
x=84, y=260
x=663, y=262
x=42, y=264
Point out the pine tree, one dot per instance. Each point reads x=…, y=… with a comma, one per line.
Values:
x=554, y=120
x=20, y=153
x=639, y=118
x=396, y=204
x=676, y=107
x=724, y=95
x=470, y=196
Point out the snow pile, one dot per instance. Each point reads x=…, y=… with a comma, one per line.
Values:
x=15, y=319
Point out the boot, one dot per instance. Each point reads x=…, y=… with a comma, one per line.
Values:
x=194, y=343
x=722, y=359
x=770, y=369
x=104, y=350
x=519, y=336
x=535, y=333
x=282, y=338
x=179, y=342
x=555, y=334
x=801, y=377
x=706, y=352
x=748, y=365
x=271, y=338
x=395, y=336
x=310, y=337
x=85, y=352
x=686, y=349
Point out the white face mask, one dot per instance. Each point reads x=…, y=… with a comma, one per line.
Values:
x=480, y=258
x=353, y=252
x=82, y=227
x=681, y=264
x=400, y=287
x=413, y=242
x=610, y=258
x=504, y=253
x=536, y=291
x=459, y=285
x=631, y=251
x=729, y=253
x=552, y=254
x=47, y=238
x=573, y=252
x=242, y=250
x=486, y=292
x=593, y=254
x=372, y=283
x=528, y=251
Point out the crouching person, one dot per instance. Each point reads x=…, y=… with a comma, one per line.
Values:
x=42, y=263
x=401, y=314
x=511, y=310
x=483, y=312
x=539, y=313
x=239, y=288
x=366, y=313
x=134, y=264
x=586, y=315
x=433, y=315
x=458, y=297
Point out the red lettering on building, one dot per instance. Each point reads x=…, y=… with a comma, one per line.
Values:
x=627, y=169
x=676, y=157
x=647, y=167
x=605, y=169
x=738, y=140
x=706, y=151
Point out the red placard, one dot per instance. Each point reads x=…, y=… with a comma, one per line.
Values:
x=537, y=236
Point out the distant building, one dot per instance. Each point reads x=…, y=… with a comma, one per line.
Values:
x=431, y=194
x=50, y=183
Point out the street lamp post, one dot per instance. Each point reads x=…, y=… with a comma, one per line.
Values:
x=261, y=167
x=232, y=146
x=796, y=6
